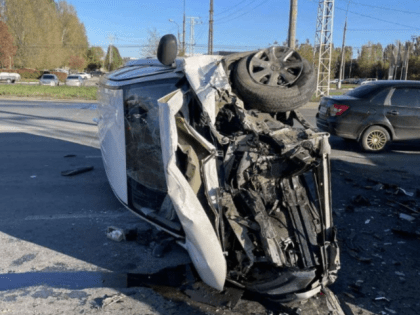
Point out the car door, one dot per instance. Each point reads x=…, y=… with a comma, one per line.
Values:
x=403, y=112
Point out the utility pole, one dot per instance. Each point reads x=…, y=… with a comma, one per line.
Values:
x=323, y=45
x=341, y=74
x=192, y=23
x=291, y=38
x=111, y=41
x=183, y=32
x=210, y=44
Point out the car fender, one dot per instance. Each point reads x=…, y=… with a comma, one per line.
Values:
x=383, y=123
x=201, y=240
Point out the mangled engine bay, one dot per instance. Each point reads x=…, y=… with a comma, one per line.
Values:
x=243, y=191
x=276, y=232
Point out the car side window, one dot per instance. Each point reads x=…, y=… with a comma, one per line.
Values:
x=380, y=97
x=407, y=97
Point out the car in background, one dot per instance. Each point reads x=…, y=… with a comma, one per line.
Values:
x=84, y=75
x=75, y=80
x=373, y=114
x=366, y=81
x=9, y=77
x=61, y=70
x=96, y=73
x=49, y=79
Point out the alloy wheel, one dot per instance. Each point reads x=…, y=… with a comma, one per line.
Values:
x=376, y=140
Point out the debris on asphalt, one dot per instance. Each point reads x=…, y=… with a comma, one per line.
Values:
x=406, y=231
x=399, y=189
x=406, y=217
x=367, y=221
x=381, y=298
x=33, y=176
x=70, y=155
x=109, y=300
x=403, y=205
x=360, y=200
x=115, y=234
x=77, y=171
x=399, y=273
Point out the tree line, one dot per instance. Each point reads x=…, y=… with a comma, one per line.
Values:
x=373, y=60
x=44, y=34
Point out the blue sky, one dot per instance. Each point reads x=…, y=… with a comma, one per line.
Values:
x=244, y=24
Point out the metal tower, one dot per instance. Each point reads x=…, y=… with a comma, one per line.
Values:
x=323, y=45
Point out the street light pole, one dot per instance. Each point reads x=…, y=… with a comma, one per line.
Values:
x=170, y=20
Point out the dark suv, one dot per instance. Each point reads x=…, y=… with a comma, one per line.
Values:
x=374, y=114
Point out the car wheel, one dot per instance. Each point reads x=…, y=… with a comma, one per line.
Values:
x=374, y=139
x=9, y=81
x=276, y=79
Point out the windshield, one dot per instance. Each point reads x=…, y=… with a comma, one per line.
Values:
x=362, y=91
x=49, y=77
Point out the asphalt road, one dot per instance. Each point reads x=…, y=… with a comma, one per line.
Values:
x=55, y=257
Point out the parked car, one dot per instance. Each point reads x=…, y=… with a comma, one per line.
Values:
x=366, y=81
x=9, y=77
x=96, y=73
x=84, y=75
x=75, y=80
x=217, y=165
x=373, y=114
x=49, y=79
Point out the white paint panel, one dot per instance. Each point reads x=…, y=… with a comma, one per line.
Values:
x=112, y=140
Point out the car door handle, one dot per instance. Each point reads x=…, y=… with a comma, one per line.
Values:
x=393, y=112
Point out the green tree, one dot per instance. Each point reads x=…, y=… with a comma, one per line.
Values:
x=113, y=59
x=72, y=31
x=306, y=51
x=76, y=63
x=7, y=49
x=94, y=57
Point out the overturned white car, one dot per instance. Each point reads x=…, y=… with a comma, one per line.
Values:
x=204, y=148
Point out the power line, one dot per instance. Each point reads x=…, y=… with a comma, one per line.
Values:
x=384, y=8
x=374, y=18
x=233, y=7
x=234, y=18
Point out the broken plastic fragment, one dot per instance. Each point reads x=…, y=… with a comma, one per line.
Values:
x=406, y=217
x=77, y=171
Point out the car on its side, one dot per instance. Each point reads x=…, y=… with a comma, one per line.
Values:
x=217, y=165
x=9, y=77
x=75, y=80
x=373, y=114
x=49, y=79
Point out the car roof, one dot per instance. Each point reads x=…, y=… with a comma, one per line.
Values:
x=395, y=83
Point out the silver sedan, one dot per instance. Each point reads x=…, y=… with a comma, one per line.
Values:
x=49, y=79
x=75, y=80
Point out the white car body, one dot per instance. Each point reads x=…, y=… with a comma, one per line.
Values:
x=4, y=76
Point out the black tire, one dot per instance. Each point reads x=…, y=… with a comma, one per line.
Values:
x=374, y=139
x=272, y=99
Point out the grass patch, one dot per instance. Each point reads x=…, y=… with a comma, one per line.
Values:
x=55, y=92
x=314, y=98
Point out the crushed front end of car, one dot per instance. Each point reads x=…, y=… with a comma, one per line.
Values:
x=243, y=191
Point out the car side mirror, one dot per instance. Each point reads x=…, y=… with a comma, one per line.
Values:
x=167, y=49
